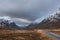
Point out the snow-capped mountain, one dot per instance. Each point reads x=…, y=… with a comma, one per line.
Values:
x=51, y=22
x=7, y=22
x=54, y=17
x=5, y=18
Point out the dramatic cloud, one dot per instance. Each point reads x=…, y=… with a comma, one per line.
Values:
x=27, y=10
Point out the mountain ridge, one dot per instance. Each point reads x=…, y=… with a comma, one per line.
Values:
x=51, y=22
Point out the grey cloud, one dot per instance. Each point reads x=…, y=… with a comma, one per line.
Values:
x=27, y=9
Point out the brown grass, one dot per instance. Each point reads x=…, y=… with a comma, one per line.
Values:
x=24, y=35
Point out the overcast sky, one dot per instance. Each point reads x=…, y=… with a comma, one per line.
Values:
x=26, y=11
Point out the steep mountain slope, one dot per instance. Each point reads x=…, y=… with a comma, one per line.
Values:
x=52, y=22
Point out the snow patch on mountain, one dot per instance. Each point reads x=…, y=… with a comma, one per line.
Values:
x=6, y=18
x=54, y=16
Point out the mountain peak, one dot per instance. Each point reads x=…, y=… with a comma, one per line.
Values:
x=54, y=16
x=6, y=18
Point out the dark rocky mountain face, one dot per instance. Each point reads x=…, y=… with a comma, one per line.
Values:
x=14, y=26
x=6, y=24
x=52, y=22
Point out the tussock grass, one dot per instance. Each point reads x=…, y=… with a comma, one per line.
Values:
x=23, y=35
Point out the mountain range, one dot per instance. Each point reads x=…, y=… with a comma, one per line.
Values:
x=51, y=22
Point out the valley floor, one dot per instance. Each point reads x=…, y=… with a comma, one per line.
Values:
x=24, y=35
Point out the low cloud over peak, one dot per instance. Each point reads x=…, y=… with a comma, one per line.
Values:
x=27, y=10
x=18, y=21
